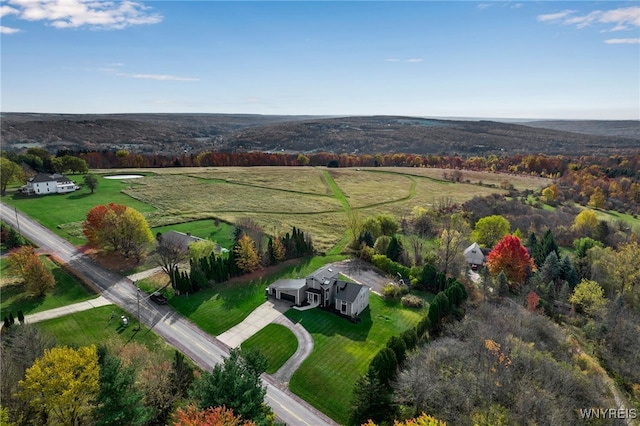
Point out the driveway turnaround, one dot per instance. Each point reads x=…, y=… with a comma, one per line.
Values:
x=256, y=321
x=305, y=347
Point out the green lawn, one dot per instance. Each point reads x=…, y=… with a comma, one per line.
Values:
x=63, y=213
x=276, y=342
x=95, y=326
x=66, y=291
x=343, y=351
x=217, y=309
x=205, y=229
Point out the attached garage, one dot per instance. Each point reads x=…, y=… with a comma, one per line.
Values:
x=290, y=290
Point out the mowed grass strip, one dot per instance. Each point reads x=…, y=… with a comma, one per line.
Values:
x=343, y=351
x=276, y=342
x=66, y=291
x=95, y=327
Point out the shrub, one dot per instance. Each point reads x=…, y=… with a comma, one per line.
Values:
x=412, y=301
x=393, y=291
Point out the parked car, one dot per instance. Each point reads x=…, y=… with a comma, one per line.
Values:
x=158, y=298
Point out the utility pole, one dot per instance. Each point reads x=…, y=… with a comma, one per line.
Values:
x=17, y=221
x=138, y=294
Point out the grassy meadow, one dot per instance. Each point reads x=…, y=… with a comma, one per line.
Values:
x=314, y=199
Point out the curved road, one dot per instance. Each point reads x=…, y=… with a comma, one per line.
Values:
x=205, y=350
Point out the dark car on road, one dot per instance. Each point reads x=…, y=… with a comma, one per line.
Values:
x=158, y=298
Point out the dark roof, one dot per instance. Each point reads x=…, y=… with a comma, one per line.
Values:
x=179, y=238
x=347, y=291
x=324, y=274
x=48, y=177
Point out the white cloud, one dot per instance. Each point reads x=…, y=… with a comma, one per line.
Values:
x=483, y=5
x=8, y=30
x=623, y=41
x=160, y=77
x=8, y=10
x=621, y=18
x=415, y=60
x=85, y=13
x=555, y=16
x=392, y=60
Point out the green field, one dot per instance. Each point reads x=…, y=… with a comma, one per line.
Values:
x=343, y=350
x=64, y=213
x=66, y=291
x=95, y=326
x=276, y=342
x=314, y=199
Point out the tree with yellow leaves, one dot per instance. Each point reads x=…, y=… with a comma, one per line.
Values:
x=247, y=257
x=421, y=420
x=62, y=385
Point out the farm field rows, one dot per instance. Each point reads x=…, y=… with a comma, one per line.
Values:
x=275, y=197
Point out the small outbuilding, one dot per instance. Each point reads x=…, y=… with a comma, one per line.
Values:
x=474, y=255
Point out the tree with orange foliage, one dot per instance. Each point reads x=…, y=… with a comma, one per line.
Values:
x=116, y=227
x=511, y=257
x=421, y=420
x=218, y=416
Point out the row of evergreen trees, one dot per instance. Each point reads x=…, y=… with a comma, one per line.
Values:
x=373, y=394
x=217, y=268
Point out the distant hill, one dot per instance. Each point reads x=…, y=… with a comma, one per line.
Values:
x=624, y=128
x=191, y=133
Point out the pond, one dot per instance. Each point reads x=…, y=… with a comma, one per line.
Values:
x=123, y=177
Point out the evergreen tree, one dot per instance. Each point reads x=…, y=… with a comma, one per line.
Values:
x=181, y=374
x=399, y=347
x=366, y=237
x=503, y=284
x=118, y=402
x=236, y=385
x=371, y=400
x=384, y=366
x=394, y=250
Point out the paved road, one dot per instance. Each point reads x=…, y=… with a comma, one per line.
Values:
x=205, y=350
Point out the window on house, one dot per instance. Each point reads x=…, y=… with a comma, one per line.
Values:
x=344, y=306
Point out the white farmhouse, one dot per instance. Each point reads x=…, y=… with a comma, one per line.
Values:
x=46, y=183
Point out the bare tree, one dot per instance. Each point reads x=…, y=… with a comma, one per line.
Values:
x=172, y=250
x=252, y=229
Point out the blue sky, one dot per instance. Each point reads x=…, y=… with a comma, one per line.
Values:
x=503, y=59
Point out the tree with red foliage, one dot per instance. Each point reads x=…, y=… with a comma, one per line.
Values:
x=219, y=416
x=532, y=302
x=115, y=227
x=511, y=257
